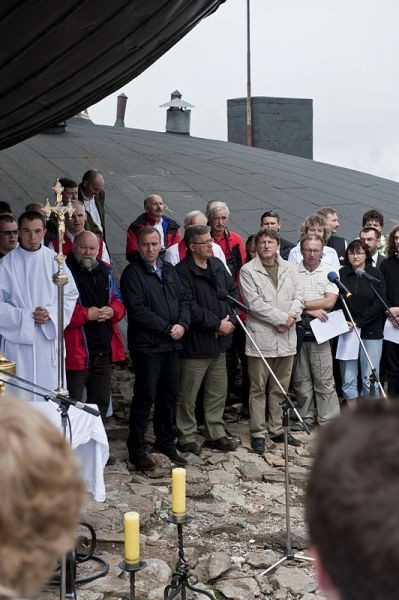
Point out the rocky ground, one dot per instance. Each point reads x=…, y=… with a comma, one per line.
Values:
x=237, y=501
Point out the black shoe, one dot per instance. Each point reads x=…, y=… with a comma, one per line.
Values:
x=142, y=462
x=299, y=427
x=279, y=439
x=258, y=445
x=173, y=456
x=191, y=447
x=111, y=461
x=223, y=444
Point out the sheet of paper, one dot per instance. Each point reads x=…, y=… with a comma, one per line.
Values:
x=391, y=334
x=335, y=325
x=348, y=346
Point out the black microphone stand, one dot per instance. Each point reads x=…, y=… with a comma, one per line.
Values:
x=68, y=561
x=286, y=405
x=373, y=377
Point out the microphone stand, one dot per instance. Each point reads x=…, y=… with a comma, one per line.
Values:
x=286, y=405
x=373, y=377
x=68, y=561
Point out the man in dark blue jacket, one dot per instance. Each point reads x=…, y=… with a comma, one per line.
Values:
x=205, y=281
x=158, y=317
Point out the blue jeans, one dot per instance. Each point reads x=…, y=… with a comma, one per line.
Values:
x=349, y=371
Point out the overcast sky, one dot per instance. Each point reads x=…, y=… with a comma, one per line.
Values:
x=341, y=53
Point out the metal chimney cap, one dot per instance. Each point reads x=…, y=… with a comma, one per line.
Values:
x=177, y=103
x=122, y=95
x=176, y=93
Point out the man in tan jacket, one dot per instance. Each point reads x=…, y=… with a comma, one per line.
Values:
x=270, y=288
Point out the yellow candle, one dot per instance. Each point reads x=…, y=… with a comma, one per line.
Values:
x=179, y=491
x=132, y=537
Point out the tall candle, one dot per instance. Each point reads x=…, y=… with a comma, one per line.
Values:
x=132, y=537
x=179, y=491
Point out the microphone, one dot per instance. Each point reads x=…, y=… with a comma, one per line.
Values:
x=363, y=275
x=333, y=277
x=223, y=295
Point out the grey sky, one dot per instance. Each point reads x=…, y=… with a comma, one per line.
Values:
x=341, y=53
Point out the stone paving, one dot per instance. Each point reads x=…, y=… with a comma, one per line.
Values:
x=237, y=501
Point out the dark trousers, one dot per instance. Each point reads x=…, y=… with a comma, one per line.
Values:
x=97, y=380
x=391, y=351
x=157, y=381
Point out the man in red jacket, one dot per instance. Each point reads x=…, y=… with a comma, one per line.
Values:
x=230, y=242
x=153, y=216
x=93, y=341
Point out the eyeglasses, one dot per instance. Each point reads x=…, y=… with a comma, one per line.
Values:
x=311, y=251
x=10, y=233
x=206, y=243
x=357, y=253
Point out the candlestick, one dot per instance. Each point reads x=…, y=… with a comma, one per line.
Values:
x=132, y=537
x=179, y=492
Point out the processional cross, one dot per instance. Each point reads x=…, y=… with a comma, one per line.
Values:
x=60, y=278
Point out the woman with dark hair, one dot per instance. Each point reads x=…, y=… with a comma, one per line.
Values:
x=368, y=313
x=250, y=248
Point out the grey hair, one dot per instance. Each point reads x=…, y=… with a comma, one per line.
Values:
x=189, y=216
x=218, y=206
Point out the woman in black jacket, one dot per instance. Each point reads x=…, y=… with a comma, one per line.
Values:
x=368, y=313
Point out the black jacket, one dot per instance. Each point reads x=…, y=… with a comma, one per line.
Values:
x=390, y=270
x=339, y=245
x=153, y=307
x=285, y=247
x=367, y=310
x=207, y=310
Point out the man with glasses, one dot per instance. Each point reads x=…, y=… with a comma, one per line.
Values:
x=8, y=234
x=371, y=236
x=313, y=380
x=203, y=360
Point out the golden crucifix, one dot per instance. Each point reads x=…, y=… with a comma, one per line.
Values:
x=60, y=279
x=59, y=210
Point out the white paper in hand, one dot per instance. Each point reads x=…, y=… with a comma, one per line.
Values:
x=348, y=346
x=391, y=334
x=326, y=330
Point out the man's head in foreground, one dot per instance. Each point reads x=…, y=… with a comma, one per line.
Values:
x=41, y=496
x=352, y=504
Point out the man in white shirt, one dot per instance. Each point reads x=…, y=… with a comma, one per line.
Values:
x=91, y=193
x=313, y=380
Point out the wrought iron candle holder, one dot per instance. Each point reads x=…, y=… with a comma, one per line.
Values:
x=183, y=578
x=132, y=569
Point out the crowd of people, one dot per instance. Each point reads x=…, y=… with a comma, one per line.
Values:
x=180, y=292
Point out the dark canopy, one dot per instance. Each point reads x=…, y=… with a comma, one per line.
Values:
x=58, y=58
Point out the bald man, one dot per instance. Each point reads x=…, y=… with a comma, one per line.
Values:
x=92, y=337
x=153, y=216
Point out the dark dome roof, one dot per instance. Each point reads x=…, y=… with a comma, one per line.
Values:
x=188, y=172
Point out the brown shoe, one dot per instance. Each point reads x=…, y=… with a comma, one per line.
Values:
x=223, y=444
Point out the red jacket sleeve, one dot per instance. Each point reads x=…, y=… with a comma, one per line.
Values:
x=79, y=317
x=131, y=244
x=118, y=308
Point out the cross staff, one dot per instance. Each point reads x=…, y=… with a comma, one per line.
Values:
x=60, y=279
x=59, y=210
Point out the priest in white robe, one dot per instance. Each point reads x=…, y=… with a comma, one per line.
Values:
x=28, y=304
